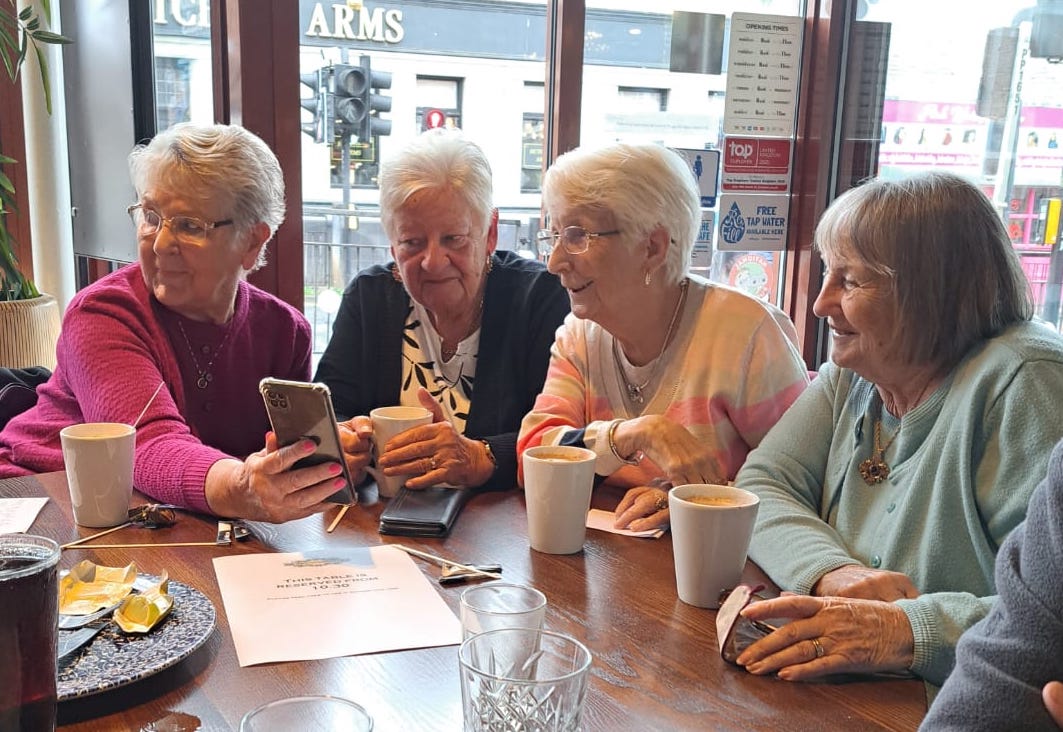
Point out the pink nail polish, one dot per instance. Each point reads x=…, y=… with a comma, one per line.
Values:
x=335, y=469
x=339, y=483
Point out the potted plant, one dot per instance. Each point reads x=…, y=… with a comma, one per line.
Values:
x=29, y=321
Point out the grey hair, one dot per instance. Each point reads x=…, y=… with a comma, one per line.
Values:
x=437, y=159
x=643, y=185
x=943, y=248
x=215, y=160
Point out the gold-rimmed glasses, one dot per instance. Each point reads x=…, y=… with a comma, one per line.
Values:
x=186, y=229
x=574, y=239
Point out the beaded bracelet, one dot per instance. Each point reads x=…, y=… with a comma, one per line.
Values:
x=634, y=460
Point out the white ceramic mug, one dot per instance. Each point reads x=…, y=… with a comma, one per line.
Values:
x=557, y=487
x=711, y=528
x=99, y=470
x=387, y=423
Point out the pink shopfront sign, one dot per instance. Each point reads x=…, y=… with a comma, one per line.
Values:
x=921, y=135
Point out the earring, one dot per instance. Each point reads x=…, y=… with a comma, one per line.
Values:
x=395, y=274
x=490, y=265
x=648, y=277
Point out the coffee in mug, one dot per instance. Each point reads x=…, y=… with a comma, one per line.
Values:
x=711, y=529
x=560, y=456
x=558, y=480
x=713, y=501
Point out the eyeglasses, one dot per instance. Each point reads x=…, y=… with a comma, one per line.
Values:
x=574, y=239
x=186, y=229
x=735, y=633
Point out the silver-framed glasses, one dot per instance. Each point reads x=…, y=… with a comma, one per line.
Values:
x=574, y=239
x=186, y=229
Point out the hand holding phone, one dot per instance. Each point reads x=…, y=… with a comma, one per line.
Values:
x=298, y=410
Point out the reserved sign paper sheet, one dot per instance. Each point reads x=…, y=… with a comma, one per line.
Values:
x=330, y=603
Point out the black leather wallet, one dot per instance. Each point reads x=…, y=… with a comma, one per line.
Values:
x=427, y=512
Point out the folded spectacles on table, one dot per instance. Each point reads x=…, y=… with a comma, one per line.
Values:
x=735, y=633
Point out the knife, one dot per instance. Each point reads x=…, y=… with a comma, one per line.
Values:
x=71, y=641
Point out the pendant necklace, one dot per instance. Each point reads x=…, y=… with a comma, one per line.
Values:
x=448, y=353
x=874, y=470
x=634, y=391
x=205, y=376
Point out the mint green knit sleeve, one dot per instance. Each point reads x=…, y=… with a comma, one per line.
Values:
x=792, y=542
x=1020, y=429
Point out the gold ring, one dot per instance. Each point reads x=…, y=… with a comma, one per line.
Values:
x=432, y=463
x=819, y=649
x=662, y=503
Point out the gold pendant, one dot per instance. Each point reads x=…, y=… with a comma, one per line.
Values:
x=874, y=470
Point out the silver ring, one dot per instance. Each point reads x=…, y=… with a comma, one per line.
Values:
x=432, y=463
x=819, y=649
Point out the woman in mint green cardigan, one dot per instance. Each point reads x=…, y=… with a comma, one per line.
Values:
x=888, y=487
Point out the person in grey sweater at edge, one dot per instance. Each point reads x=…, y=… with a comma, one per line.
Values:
x=1009, y=665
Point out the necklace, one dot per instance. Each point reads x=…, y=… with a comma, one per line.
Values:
x=448, y=353
x=205, y=376
x=874, y=470
x=634, y=391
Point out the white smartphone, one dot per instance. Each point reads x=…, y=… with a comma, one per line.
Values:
x=300, y=410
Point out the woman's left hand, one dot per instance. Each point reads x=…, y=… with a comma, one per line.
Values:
x=643, y=507
x=829, y=635
x=436, y=453
x=680, y=456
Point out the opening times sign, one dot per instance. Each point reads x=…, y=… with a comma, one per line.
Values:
x=762, y=75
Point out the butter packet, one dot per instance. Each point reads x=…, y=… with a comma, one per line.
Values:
x=89, y=587
x=140, y=613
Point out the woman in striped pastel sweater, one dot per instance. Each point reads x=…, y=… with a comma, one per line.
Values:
x=665, y=376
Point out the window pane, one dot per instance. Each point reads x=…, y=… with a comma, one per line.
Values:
x=630, y=94
x=183, y=84
x=466, y=65
x=984, y=101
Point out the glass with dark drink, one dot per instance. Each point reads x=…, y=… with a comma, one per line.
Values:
x=29, y=605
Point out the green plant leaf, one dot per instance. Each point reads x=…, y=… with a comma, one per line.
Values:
x=48, y=37
x=45, y=82
x=7, y=39
x=25, y=13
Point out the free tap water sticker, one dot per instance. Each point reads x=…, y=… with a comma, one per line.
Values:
x=753, y=222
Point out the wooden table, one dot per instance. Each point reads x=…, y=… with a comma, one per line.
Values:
x=656, y=664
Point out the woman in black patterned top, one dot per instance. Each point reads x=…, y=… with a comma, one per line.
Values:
x=450, y=324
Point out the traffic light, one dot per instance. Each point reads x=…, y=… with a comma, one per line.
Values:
x=357, y=105
x=318, y=104
x=432, y=119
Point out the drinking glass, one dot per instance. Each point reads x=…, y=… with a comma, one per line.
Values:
x=501, y=605
x=29, y=614
x=307, y=713
x=523, y=679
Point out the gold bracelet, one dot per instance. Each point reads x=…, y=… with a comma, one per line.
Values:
x=634, y=460
x=490, y=452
